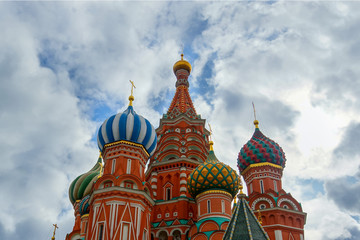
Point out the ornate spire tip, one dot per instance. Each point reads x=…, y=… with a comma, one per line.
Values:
x=241, y=189
x=131, y=97
x=211, y=145
x=256, y=123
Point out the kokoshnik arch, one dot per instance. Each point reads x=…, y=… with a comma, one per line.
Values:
x=186, y=192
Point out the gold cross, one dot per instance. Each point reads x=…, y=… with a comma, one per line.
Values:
x=210, y=131
x=132, y=87
x=55, y=227
x=254, y=110
x=256, y=122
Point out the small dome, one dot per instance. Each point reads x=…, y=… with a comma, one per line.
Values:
x=84, y=207
x=83, y=184
x=213, y=175
x=260, y=149
x=128, y=126
x=182, y=64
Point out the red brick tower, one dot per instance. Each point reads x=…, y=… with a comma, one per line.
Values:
x=117, y=204
x=213, y=184
x=261, y=162
x=182, y=146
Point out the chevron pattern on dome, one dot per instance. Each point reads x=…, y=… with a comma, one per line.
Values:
x=128, y=126
x=213, y=175
x=260, y=149
x=83, y=184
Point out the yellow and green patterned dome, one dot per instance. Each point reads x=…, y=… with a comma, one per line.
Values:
x=213, y=175
x=83, y=184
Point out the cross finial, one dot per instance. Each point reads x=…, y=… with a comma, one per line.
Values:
x=256, y=122
x=210, y=131
x=55, y=227
x=211, y=141
x=131, y=98
x=182, y=51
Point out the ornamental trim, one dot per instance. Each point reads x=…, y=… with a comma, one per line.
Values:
x=260, y=165
x=262, y=199
x=289, y=201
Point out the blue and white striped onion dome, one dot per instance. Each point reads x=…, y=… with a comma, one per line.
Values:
x=128, y=126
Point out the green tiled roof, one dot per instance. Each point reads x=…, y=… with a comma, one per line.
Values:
x=244, y=224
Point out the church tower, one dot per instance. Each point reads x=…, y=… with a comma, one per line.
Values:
x=182, y=145
x=213, y=185
x=261, y=162
x=119, y=203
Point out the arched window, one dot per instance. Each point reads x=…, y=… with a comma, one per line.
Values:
x=125, y=231
x=113, y=166
x=168, y=193
x=128, y=167
x=101, y=231
x=208, y=206
x=176, y=235
x=261, y=186
x=163, y=236
x=275, y=186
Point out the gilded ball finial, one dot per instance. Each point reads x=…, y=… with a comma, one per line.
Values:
x=182, y=64
x=256, y=123
x=211, y=145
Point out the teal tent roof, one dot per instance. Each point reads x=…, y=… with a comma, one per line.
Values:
x=244, y=224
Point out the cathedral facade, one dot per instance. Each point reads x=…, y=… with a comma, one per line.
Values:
x=167, y=183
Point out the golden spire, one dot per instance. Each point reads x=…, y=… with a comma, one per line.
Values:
x=241, y=189
x=131, y=97
x=211, y=141
x=234, y=205
x=256, y=122
x=259, y=216
x=55, y=227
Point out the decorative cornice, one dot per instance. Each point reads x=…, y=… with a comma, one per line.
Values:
x=260, y=165
x=127, y=143
x=169, y=162
x=213, y=191
x=121, y=190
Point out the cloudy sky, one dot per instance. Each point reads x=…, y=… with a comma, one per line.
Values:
x=65, y=67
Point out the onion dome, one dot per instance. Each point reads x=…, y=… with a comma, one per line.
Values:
x=128, y=126
x=83, y=184
x=182, y=64
x=260, y=149
x=84, y=205
x=213, y=175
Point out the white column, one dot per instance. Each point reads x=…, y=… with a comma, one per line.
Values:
x=183, y=181
x=278, y=235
